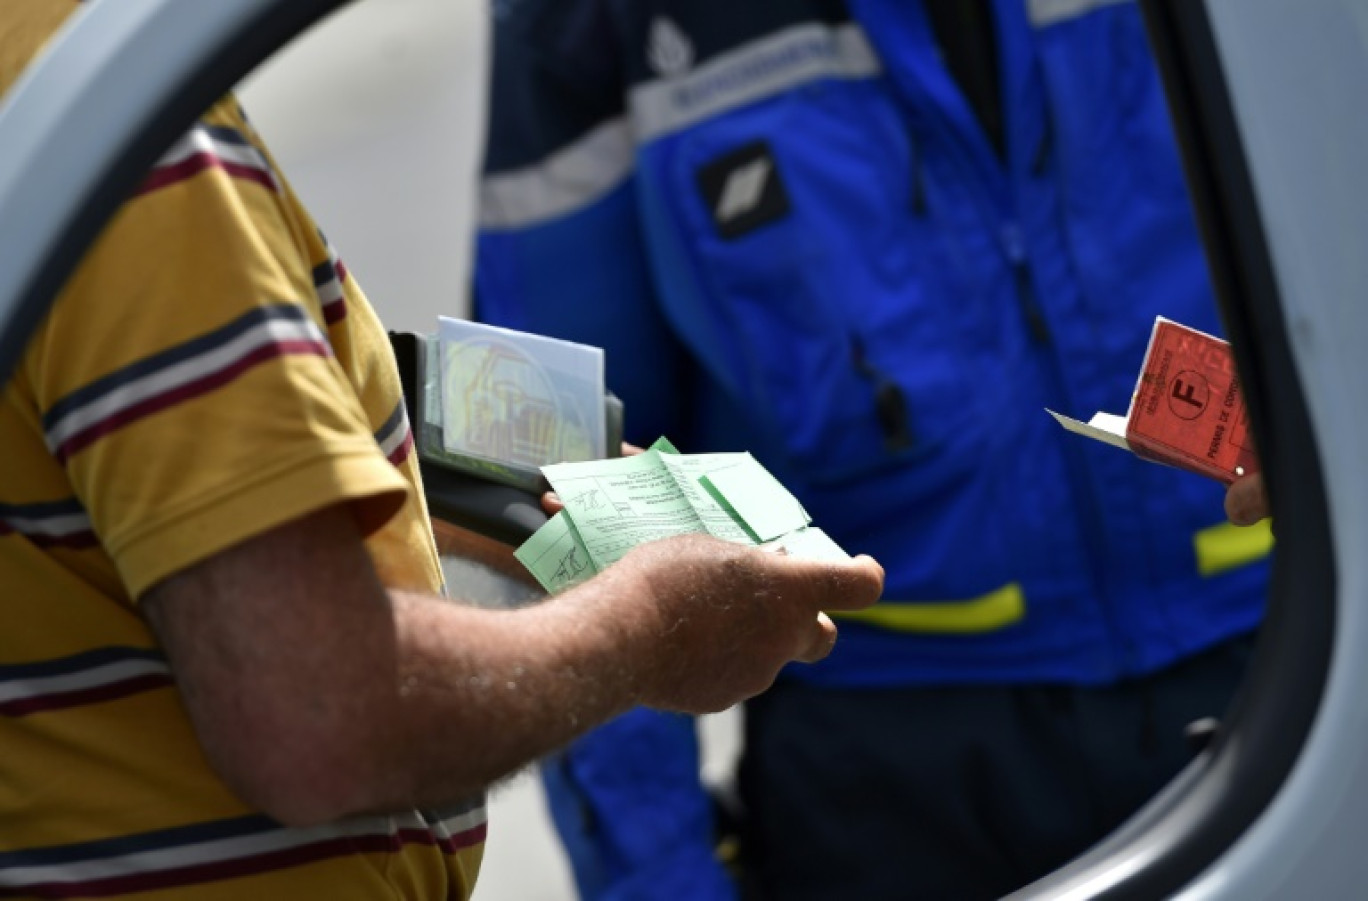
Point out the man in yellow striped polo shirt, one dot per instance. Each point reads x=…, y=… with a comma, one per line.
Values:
x=225, y=668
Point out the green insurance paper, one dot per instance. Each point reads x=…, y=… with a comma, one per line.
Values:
x=611, y=506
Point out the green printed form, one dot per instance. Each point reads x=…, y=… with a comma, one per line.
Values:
x=716, y=517
x=611, y=506
x=556, y=556
x=617, y=504
x=756, y=499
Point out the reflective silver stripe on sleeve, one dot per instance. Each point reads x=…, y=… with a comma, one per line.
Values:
x=749, y=73
x=567, y=180
x=1050, y=12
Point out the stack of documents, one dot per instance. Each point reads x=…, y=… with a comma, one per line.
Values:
x=611, y=506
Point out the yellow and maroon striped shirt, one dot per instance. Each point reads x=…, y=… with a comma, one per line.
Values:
x=211, y=371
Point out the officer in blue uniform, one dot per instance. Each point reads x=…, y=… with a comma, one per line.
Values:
x=871, y=241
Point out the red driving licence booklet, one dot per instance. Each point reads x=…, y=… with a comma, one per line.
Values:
x=1186, y=411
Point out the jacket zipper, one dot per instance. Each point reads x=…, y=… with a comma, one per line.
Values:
x=1093, y=524
x=1015, y=249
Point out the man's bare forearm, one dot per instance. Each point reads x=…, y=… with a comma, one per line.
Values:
x=317, y=693
x=525, y=682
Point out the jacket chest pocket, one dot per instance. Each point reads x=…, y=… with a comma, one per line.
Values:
x=802, y=222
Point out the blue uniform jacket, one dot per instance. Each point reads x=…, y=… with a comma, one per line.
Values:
x=789, y=232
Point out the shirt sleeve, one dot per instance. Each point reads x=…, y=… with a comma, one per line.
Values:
x=185, y=377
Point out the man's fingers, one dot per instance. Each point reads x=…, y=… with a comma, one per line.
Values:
x=852, y=585
x=823, y=640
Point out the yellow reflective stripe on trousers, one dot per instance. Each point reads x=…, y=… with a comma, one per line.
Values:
x=991, y=611
x=1226, y=546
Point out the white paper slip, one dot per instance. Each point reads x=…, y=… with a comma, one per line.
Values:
x=1106, y=427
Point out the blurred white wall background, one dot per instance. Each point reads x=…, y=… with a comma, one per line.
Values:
x=377, y=117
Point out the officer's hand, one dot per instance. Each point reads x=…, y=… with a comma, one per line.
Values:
x=1246, y=501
